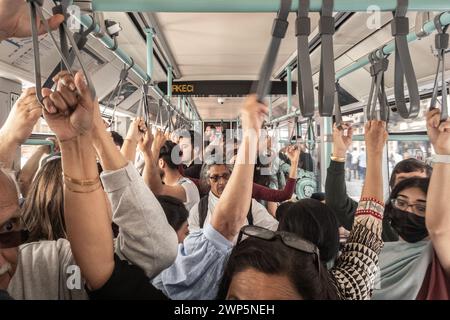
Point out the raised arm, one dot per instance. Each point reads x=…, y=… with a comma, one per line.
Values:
x=335, y=189
x=70, y=116
x=438, y=211
x=260, y=192
x=134, y=135
x=150, y=146
x=18, y=126
x=357, y=266
x=231, y=210
x=145, y=237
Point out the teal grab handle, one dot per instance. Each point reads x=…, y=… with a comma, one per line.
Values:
x=40, y=142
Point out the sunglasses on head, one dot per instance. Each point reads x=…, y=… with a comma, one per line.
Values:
x=288, y=239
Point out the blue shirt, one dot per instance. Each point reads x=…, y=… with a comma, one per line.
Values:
x=198, y=268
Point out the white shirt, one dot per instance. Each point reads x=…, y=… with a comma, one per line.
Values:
x=192, y=195
x=261, y=217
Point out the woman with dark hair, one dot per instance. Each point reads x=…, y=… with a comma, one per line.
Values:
x=176, y=215
x=418, y=266
x=313, y=221
x=299, y=274
x=284, y=265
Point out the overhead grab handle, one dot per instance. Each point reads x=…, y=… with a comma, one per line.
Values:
x=441, y=45
x=327, y=73
x=422, y=17
x=280, y=25
x=379, y=65
x=305, y=82
x=403, y=65
x=35, y=8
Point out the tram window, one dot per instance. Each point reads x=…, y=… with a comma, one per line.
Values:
x=355, y=169
x=400, y=150
x=398, y=124
x=26, y=152
x=42, y=127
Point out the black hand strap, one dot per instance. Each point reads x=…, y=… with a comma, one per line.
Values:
x=280, y=25
x=81, y=39
x=441, y=44
x=403, y=64
x=379, y=65
x=35, y=8
x=327, y=73
x=305, y=82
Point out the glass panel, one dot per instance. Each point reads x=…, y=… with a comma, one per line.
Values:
x=400, y=150
x=398, y=124
x=355, y=169
x=25, y=153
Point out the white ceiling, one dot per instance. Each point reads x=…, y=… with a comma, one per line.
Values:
x=231, y=46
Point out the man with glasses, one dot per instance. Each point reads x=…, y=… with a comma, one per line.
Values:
x=215, y=174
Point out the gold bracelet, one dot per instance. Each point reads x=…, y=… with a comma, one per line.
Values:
x=338, y=159
x=86, y=182
x=83, y=191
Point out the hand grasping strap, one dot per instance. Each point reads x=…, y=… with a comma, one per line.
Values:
x=441, y=44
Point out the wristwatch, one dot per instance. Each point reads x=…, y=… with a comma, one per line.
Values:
x=440, y=158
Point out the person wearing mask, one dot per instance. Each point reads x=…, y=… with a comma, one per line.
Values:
x=335, y=188
x=417, y=267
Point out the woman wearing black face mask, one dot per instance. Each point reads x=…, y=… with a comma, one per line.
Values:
x=406, y=209
x=417, y=267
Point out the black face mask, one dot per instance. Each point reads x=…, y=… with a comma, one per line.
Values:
x=409, y=226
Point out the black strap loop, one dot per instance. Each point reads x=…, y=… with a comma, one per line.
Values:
x=278, y=32
x=304, y=73
x=327, y=72
x=379, y=65
x=403, y=65
x=441, y=45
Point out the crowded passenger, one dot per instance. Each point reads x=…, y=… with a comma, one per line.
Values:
x=216, y=174
x=161, y=172
x=335, y=188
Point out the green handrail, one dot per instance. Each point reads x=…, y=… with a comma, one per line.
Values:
x=257, y=5
x=40, y=142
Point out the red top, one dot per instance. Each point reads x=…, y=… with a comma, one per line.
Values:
x=436, y=285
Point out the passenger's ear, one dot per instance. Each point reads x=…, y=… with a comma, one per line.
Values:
x=161, y=163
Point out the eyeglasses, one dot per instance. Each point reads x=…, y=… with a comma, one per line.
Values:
x=288, y=239
x=401, y=204
x=225, y=177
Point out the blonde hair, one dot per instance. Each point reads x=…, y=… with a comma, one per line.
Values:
x=43, y=210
